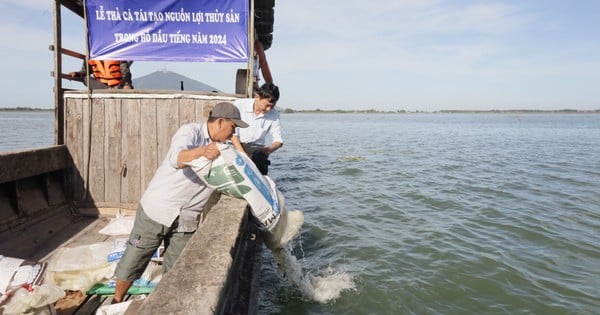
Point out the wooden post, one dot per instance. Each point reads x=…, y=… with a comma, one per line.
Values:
x=59, y=109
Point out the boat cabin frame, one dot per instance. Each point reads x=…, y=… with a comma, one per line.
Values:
x=108, y=144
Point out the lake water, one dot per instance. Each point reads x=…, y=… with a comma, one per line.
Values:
x=443, y=213
x=429, y=213
x=22, y=130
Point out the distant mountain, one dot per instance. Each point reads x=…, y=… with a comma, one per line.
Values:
x=168, y=80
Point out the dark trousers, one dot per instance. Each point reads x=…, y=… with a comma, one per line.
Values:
x=261, y=160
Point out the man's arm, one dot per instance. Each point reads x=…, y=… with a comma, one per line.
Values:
x=235, y=140
x=276, y=135
x=210, y=151
x=270, y=149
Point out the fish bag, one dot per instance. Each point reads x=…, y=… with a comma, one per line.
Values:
x=235, y=175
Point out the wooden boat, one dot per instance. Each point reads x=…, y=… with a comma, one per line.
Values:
x=108, y=143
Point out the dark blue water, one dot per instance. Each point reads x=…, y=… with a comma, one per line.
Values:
x=443, y=213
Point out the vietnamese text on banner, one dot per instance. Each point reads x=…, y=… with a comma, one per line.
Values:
x=173, y=30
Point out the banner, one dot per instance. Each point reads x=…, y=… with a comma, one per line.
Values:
x=168, y=30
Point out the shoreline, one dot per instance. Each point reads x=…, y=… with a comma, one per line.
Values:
x=25, y=109
x=494, y=111
x=372, y=111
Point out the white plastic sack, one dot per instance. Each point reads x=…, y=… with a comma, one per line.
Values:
x=113, y=309
x=39, y=301
x=79, y=268
x=119, y=246
x=120, y=225
x=16, y=272
x=234, y=174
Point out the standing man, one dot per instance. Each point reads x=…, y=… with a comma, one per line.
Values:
x=263, y=121
x=171, y=207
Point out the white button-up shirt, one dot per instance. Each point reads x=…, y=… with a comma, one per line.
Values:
x=176, y=191
x=261, y=126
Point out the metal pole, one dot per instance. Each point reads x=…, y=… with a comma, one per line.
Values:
x=250, y=69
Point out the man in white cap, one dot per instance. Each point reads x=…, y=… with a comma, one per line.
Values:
x=171, y=207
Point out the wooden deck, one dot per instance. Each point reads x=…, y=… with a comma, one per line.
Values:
x=220, y=266
x=114, y=141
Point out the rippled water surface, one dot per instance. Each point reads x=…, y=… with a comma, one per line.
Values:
x=23, y=130
x=430, y=213
x=442, y=213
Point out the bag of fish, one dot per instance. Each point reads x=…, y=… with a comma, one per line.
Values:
x=234, y=174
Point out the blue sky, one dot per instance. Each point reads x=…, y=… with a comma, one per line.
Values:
x=387, y=55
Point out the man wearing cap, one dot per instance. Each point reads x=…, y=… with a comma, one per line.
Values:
x=171, y=207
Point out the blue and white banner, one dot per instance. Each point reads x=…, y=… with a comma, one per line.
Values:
x=174, y=30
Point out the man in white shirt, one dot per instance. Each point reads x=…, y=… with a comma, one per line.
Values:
x=264, y=125
x=171, y=207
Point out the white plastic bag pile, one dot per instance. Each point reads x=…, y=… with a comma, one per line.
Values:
x=21, y=288
x=78, y=268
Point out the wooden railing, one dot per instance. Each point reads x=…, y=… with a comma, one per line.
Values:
x=31, y=182
x=218, y=272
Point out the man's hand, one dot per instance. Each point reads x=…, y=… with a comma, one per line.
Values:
x=212, y=151
x=270, y=149
x=266, y=150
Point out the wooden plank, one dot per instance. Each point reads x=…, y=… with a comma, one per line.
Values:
x=116, y=204
x=41, y=235
x=97, y=162
x=85, y=136
x=72, y=53
x=34, y=198
x=8, y=205
x=167, y=124
x=130, y=191
x=112, y=150
x=208, y=106
x=148, y=142
x=89, y=233
x=187, y=111
x=56, y=188
x=107, y=212
x=24, y=164
x=199, y=106
x=124, y=150
x=74, y=141
x=59, y=101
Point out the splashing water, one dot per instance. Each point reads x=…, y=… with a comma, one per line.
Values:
x=323, y=288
